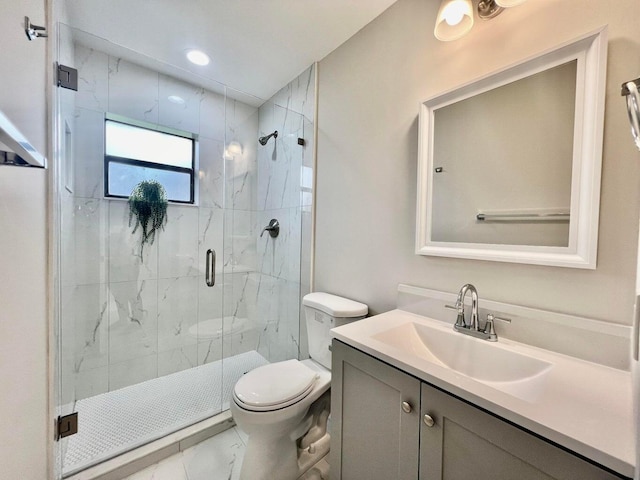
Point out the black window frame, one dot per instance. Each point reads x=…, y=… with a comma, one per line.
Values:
x=108, y=159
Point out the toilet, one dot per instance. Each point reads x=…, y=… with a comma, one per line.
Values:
x=283, y=407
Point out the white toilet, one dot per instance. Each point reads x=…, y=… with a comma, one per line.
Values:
x=284, y=406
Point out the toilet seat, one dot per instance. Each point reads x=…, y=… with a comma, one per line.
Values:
x=274, y=386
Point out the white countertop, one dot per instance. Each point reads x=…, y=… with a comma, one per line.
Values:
x=584, y=406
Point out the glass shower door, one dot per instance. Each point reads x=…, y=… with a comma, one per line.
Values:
x=138, y=328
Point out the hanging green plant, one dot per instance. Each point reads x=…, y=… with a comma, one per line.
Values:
x=148, y=204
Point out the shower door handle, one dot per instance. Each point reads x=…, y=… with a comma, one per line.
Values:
x=210, y=268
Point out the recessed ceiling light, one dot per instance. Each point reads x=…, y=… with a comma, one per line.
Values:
x=176, y=99
x=198, y=57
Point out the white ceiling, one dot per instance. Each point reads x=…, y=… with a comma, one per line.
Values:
x=256, y=46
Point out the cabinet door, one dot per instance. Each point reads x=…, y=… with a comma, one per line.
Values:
x=466, y=442
x=372, y=437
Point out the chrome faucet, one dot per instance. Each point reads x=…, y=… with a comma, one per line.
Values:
x=473, y=328
x=460, y=321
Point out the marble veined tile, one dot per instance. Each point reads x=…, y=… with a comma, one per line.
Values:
x=241, y=231
x=210, y=236
x=241, y=127
x=88, y=383
x=171, y=468
x=280, y=161
x=297, y=94
x=84, y=338
x=176, y=360
x=178, y=243
x=280, y=257
x=179, y=104
x=209, y=351
x=211, y=173
x=87, y=134
x=133, y=90
x=309, y=107
x=93, y=78
x=130, y=372
x=90, y=249
x=217, y=458
x=177, y=312
x=85, y=326
x=133, y=320
x=212, y=121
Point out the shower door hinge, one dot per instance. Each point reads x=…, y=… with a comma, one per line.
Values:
x=67, y=77
x=67, y=425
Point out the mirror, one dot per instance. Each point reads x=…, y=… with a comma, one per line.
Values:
x=509, y=165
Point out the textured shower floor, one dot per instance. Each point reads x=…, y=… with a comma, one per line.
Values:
x=114, y=422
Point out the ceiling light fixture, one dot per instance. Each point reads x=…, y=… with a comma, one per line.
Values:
x=198, y=57
x=455, y=17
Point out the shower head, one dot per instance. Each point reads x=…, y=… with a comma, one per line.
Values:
x=264, y=140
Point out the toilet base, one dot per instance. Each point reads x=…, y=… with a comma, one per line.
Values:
x=280, y=458
x=267, y=458
x=287, y=457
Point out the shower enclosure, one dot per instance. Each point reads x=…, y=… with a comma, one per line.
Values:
x=146, y=344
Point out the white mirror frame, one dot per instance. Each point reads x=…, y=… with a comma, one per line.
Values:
x=590, y=51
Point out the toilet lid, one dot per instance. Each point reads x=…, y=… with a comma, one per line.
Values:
x=275, y=384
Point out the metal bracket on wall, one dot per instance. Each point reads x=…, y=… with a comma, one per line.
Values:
x=34, y=31
x=67, y=77
x=66, y=425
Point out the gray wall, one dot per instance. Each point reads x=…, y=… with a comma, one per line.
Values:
x=369, y=92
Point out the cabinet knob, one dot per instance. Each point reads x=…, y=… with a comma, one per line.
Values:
x=428, y=420
x=406, y=407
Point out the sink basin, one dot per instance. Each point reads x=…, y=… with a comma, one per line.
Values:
x=493, y=364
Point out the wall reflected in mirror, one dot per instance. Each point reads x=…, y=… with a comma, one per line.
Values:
x=503, y=161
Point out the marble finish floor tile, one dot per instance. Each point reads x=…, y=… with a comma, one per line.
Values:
x=217, y=458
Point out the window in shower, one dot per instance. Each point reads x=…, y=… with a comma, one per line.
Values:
x=135, y=152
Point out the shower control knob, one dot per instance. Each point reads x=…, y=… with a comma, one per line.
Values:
x=428, y=420
x=406, y=407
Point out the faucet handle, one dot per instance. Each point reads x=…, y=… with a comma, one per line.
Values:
x=491, y=317
x=458, y=307
x=273, y=228
x=489, y=326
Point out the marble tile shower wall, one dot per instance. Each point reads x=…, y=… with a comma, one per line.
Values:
x=285, y=180
x=127, y=318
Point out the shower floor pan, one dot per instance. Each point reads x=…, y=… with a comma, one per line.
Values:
x=115, y=422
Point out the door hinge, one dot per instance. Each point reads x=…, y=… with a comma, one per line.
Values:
x=67, y=77
x=67, y=425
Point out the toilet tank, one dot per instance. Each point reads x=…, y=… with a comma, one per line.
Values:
x=323, y=312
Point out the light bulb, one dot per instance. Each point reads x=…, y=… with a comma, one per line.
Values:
x=454, y=13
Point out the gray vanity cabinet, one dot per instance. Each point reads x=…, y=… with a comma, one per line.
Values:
x=388, y=425
x=375, y=419
x=466, y=442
